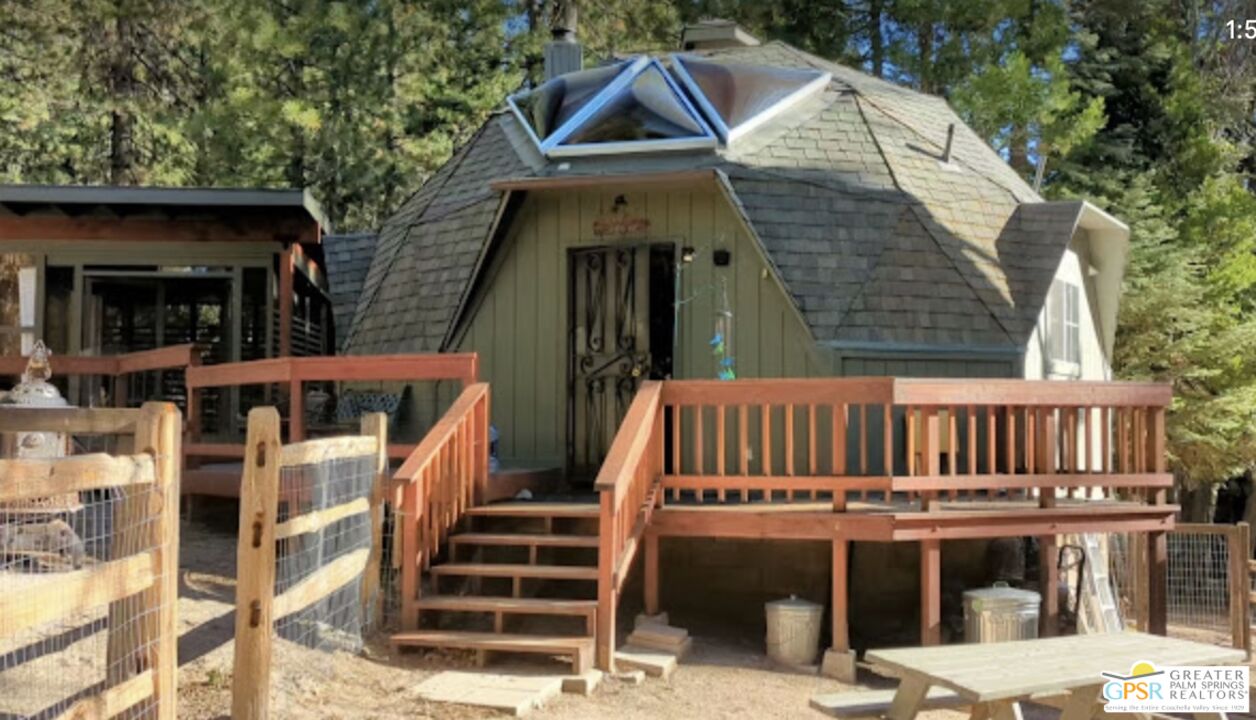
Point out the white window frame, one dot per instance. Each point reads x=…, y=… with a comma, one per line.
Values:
x=1067, y=327
x=730, y=135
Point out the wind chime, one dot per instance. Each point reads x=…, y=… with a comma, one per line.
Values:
x=722, y=340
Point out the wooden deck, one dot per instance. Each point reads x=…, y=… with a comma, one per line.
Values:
x=885, y=460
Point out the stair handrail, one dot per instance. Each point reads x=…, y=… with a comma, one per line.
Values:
x=444, y=476
x=626, y=485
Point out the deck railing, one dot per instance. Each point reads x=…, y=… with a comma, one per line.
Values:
x=443, y=477
x=627, y=485
x=927, y=440
x=291, y=373
x=120, y=370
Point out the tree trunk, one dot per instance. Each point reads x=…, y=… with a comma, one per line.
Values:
x=924, y=40
x=1197, y=503
x=1249, y=510
x=875, y=38
x=1018, y=152
x=122, y=94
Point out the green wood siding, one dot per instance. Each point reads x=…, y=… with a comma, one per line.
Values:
x=518, y=321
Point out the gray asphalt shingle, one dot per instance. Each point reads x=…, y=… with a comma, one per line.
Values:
x=876, y=239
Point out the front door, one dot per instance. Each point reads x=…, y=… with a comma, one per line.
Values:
x=620, y=326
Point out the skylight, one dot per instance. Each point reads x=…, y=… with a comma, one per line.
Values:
x=739, y=98
x=629, y=107
x=649, y=112
x=638, y=106
x=546, y=108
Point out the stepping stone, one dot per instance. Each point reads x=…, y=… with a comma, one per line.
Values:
x=582, y=684
x=515, y=695
x=655, y=663
x=660, y=637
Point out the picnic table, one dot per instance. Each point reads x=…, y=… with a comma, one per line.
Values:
x=994, y=677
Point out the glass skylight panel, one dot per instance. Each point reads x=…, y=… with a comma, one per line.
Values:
x=545, y=109
x=649, y=109
x=739, y=98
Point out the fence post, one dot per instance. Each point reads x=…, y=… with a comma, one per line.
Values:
x=375, y=425
x=143, y=631
x=1240, y=586
x=255, y=567
x=167, y=448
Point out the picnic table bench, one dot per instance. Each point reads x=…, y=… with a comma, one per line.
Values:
x=993, y=678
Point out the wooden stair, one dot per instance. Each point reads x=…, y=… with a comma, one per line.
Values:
x=543, y=572
x=527, y=540
x=552, y=577
x=579, y=649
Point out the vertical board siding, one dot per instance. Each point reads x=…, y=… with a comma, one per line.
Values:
x=518, y=323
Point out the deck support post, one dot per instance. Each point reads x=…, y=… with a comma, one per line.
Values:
x=931, y=592
x=1049, y=581
x=651, y=573
x=839, y=660
x=841, y=625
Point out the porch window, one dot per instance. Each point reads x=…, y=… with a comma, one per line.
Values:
x=18, y=276
x=1064, y=323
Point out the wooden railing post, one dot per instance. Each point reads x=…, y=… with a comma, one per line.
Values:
x=255, y=567
x=606, y=593
x=375, y=425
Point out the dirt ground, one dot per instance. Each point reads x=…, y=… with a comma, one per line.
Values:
x=722, y=677
x=726, y=675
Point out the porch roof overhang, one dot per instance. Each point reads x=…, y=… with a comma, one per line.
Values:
x=61, y=212
x=1109, y=253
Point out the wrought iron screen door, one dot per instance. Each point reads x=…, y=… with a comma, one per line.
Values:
x=610, y=338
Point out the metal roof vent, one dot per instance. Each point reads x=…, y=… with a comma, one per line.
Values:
x=715, y=33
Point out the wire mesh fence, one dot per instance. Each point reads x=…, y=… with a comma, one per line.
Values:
x=1206, y=581
x=336, y=621
x=310, y=535
x=87, y=597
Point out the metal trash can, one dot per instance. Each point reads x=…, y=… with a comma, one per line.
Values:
x=1000, y=613
x=794, y=631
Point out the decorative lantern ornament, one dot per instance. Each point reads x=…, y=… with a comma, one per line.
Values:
x=35, y=391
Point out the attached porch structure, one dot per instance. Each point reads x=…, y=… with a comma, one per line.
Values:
x=884, y=460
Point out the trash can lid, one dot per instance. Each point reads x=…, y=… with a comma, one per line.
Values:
x=792, y=603
x=1002, y=596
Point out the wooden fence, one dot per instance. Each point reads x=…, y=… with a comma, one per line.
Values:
x=266, y=524
x=123, y=579
x=1208, y=582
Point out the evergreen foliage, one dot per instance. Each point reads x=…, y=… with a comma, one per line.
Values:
x=1143, y=107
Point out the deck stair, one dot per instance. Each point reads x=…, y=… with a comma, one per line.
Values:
x=520, y=578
